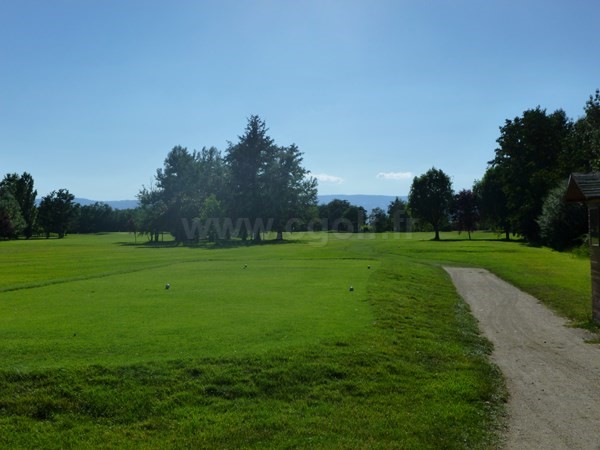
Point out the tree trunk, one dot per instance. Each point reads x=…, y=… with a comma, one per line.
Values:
x=437, y=233
x=280, y=235
x=257, y=237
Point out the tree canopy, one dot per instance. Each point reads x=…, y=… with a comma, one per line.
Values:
x=562, y=225
x=493, y=205
x=536, y=152
x=56, y=212
x=257, y=186
x=21, y=189
x=430, y=198
x=529, y=162
x=398, y=216
x=465, y=211
x=11, y=219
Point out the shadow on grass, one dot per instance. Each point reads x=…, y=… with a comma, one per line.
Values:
x=518, y=241
x=220, y=245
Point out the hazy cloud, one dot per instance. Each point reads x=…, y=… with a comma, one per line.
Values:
x=325, y=178
x=395, y=175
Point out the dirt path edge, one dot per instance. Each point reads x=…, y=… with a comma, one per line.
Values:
x=552, y=374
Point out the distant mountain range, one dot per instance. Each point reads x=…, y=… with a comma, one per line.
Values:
x=366, y=201
x=114, y=204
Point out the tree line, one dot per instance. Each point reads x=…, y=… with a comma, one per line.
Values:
x=257, y=186
x=56, y=214
x=522, y=191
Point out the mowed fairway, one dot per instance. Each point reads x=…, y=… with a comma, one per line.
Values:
x=213, y=308
x=260, y=346
x=220, y=303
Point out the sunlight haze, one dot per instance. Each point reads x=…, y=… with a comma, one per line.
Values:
x=93, y=95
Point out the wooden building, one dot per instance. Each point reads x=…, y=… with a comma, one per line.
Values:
x=585, y=187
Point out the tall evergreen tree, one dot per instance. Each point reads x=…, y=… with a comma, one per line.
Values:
x=257, y=180
x=26, y=195
x=248, y=161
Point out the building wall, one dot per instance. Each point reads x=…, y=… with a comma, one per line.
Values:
x=594, y=219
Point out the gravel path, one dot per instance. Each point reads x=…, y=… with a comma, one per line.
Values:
x=553, y=376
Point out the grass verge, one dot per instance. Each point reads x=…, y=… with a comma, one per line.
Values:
x=417, y=377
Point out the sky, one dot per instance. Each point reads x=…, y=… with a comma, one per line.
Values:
x=95, y=93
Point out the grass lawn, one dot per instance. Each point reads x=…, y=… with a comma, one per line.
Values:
x=560, y=280
x=257, y=346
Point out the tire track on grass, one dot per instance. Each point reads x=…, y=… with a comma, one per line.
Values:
x=52, y=282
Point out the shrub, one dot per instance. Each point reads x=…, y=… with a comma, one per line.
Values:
x=562, y=225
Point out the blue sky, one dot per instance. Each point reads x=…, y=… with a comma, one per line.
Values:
x=94, y=93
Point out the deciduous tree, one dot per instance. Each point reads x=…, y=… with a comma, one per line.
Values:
x=21, y=188
x=290, y=190
x=56, y=211
x=528, y=163
x=465, y=211
x=11, y=220
x=399, y=219
x=562, y=225
x=177, y=188
x=430, y=198
x=378, y=220
x=493, y=206
x=152, y=213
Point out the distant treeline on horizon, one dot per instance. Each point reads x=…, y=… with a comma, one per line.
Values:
x=369, y=202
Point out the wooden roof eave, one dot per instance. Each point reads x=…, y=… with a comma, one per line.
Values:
x=583, y=187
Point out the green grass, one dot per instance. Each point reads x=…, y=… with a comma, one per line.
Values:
x=214, y=308
x=560, y=280
x=96, y=353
